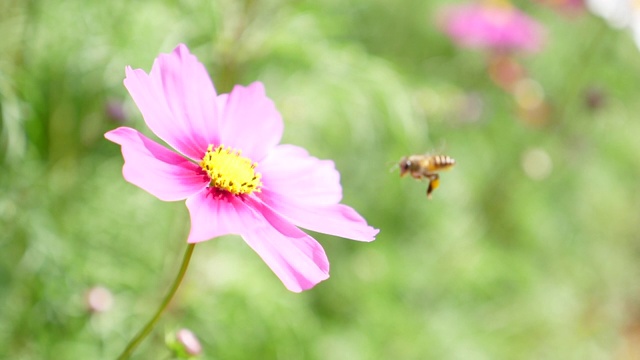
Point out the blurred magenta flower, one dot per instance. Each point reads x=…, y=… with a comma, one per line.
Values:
x=231, y=170
x=492, y=25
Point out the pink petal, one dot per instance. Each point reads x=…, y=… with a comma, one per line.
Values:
x=154, y=168
x=306, y=191
x=249, y=121
x=299, y=262
x=177, y=101
x=336, y=219
x=296, y=258
x=289, y=170
x=214, y=214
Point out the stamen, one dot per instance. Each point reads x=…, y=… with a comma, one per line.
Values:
x=229, y=171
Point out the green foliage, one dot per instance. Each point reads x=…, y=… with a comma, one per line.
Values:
x=499, y=265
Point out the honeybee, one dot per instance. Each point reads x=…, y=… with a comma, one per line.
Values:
x=426, y=167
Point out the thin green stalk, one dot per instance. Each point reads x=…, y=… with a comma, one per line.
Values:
x=167, y=299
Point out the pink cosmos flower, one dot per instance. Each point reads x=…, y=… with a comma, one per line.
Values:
x=494, y=26
x=231, y=170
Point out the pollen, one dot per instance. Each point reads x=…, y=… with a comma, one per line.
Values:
x=229, y=171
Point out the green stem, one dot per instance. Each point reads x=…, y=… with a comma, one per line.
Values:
x=167, y=299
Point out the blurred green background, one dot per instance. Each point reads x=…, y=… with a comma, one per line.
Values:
x=530, y=249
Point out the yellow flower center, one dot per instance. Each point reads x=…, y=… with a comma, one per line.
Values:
x=229, y=171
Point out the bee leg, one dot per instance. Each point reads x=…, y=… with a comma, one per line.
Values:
x=434, y=182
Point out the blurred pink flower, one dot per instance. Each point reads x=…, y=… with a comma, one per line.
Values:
x=99, y=299
x=496, y=27
x=189, y=342
x=231, y=170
